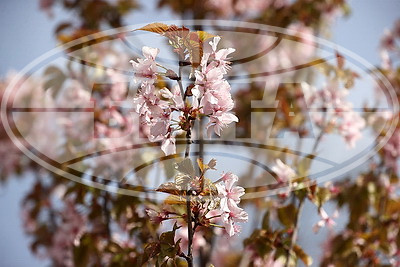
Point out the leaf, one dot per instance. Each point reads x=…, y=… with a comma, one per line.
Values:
x=186, y=167
x=265, y=221
x=204, y=35
x=203, y=167
x=182, y=180
x=167, y=242
x=322, y=195
x=287, y=215
x=170, y=188
x=175, y=200
x=156, y=27
x=169, y=168
x=54, y=79
x=212, y=163
x=209, y=188
x=150, y=251
x=304, y=165
x=306, y=259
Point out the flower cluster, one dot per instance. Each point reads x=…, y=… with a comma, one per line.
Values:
x=337, y=112
x=229, y=195
x=154, y=112
x=67, y=235
x=391, y=150
x=212, y=91
x=211, y=202
x=165, y=111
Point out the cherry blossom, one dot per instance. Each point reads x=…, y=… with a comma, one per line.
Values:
x=158, y=108
x=212, y=90
x=325, y=220
x=284, y=172
x=234, y=215
x=392, y=150
x=67, y=235
x=229, y=196
x=337, y=112
x=146, y=68
x=228, y=192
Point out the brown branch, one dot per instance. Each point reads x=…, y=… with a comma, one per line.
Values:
x=295, y=232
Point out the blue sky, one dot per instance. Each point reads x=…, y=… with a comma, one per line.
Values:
x=27, y=33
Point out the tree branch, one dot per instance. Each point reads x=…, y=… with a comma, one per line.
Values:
x=295, y=231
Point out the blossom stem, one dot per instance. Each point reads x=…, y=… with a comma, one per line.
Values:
x=190, y=231
x=161, y=66
x=216, y=225
x=295, y=232
x=189, y=257
x=188, y=142
x=183, y=94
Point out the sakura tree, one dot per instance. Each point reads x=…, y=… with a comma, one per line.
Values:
x=190, y=208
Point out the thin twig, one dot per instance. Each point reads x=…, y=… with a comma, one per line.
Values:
x=180, y=81
x=190, y=232
x=295, y=232
x=189, y=256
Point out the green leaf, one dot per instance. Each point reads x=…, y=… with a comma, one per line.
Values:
x=265, y=221
x=150, y=251
x=204, y=35
x=304, y=165
x=287, y=215
x=167, y=242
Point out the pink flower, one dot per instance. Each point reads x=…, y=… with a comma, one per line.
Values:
x=174, y=95
x=350, y=128
x=234, y=215
x=67, y=235
x=388, y=41
x=218, y=121
x=284, y=172
x=146, y=67
x=168, y=146
x=229, y=196
x=338, y=112
x=155, y=216
x=212, y=93
x=325, y=220
x=392, y=150
x=228, y=192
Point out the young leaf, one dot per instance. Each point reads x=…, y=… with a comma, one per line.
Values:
x=287, y=215
x=204, y=35
x=170, y=188
x=156, y=27
x=186, y=167
x=307, y=260
x=175, y=200
x=150, y=251
x=265, y=221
